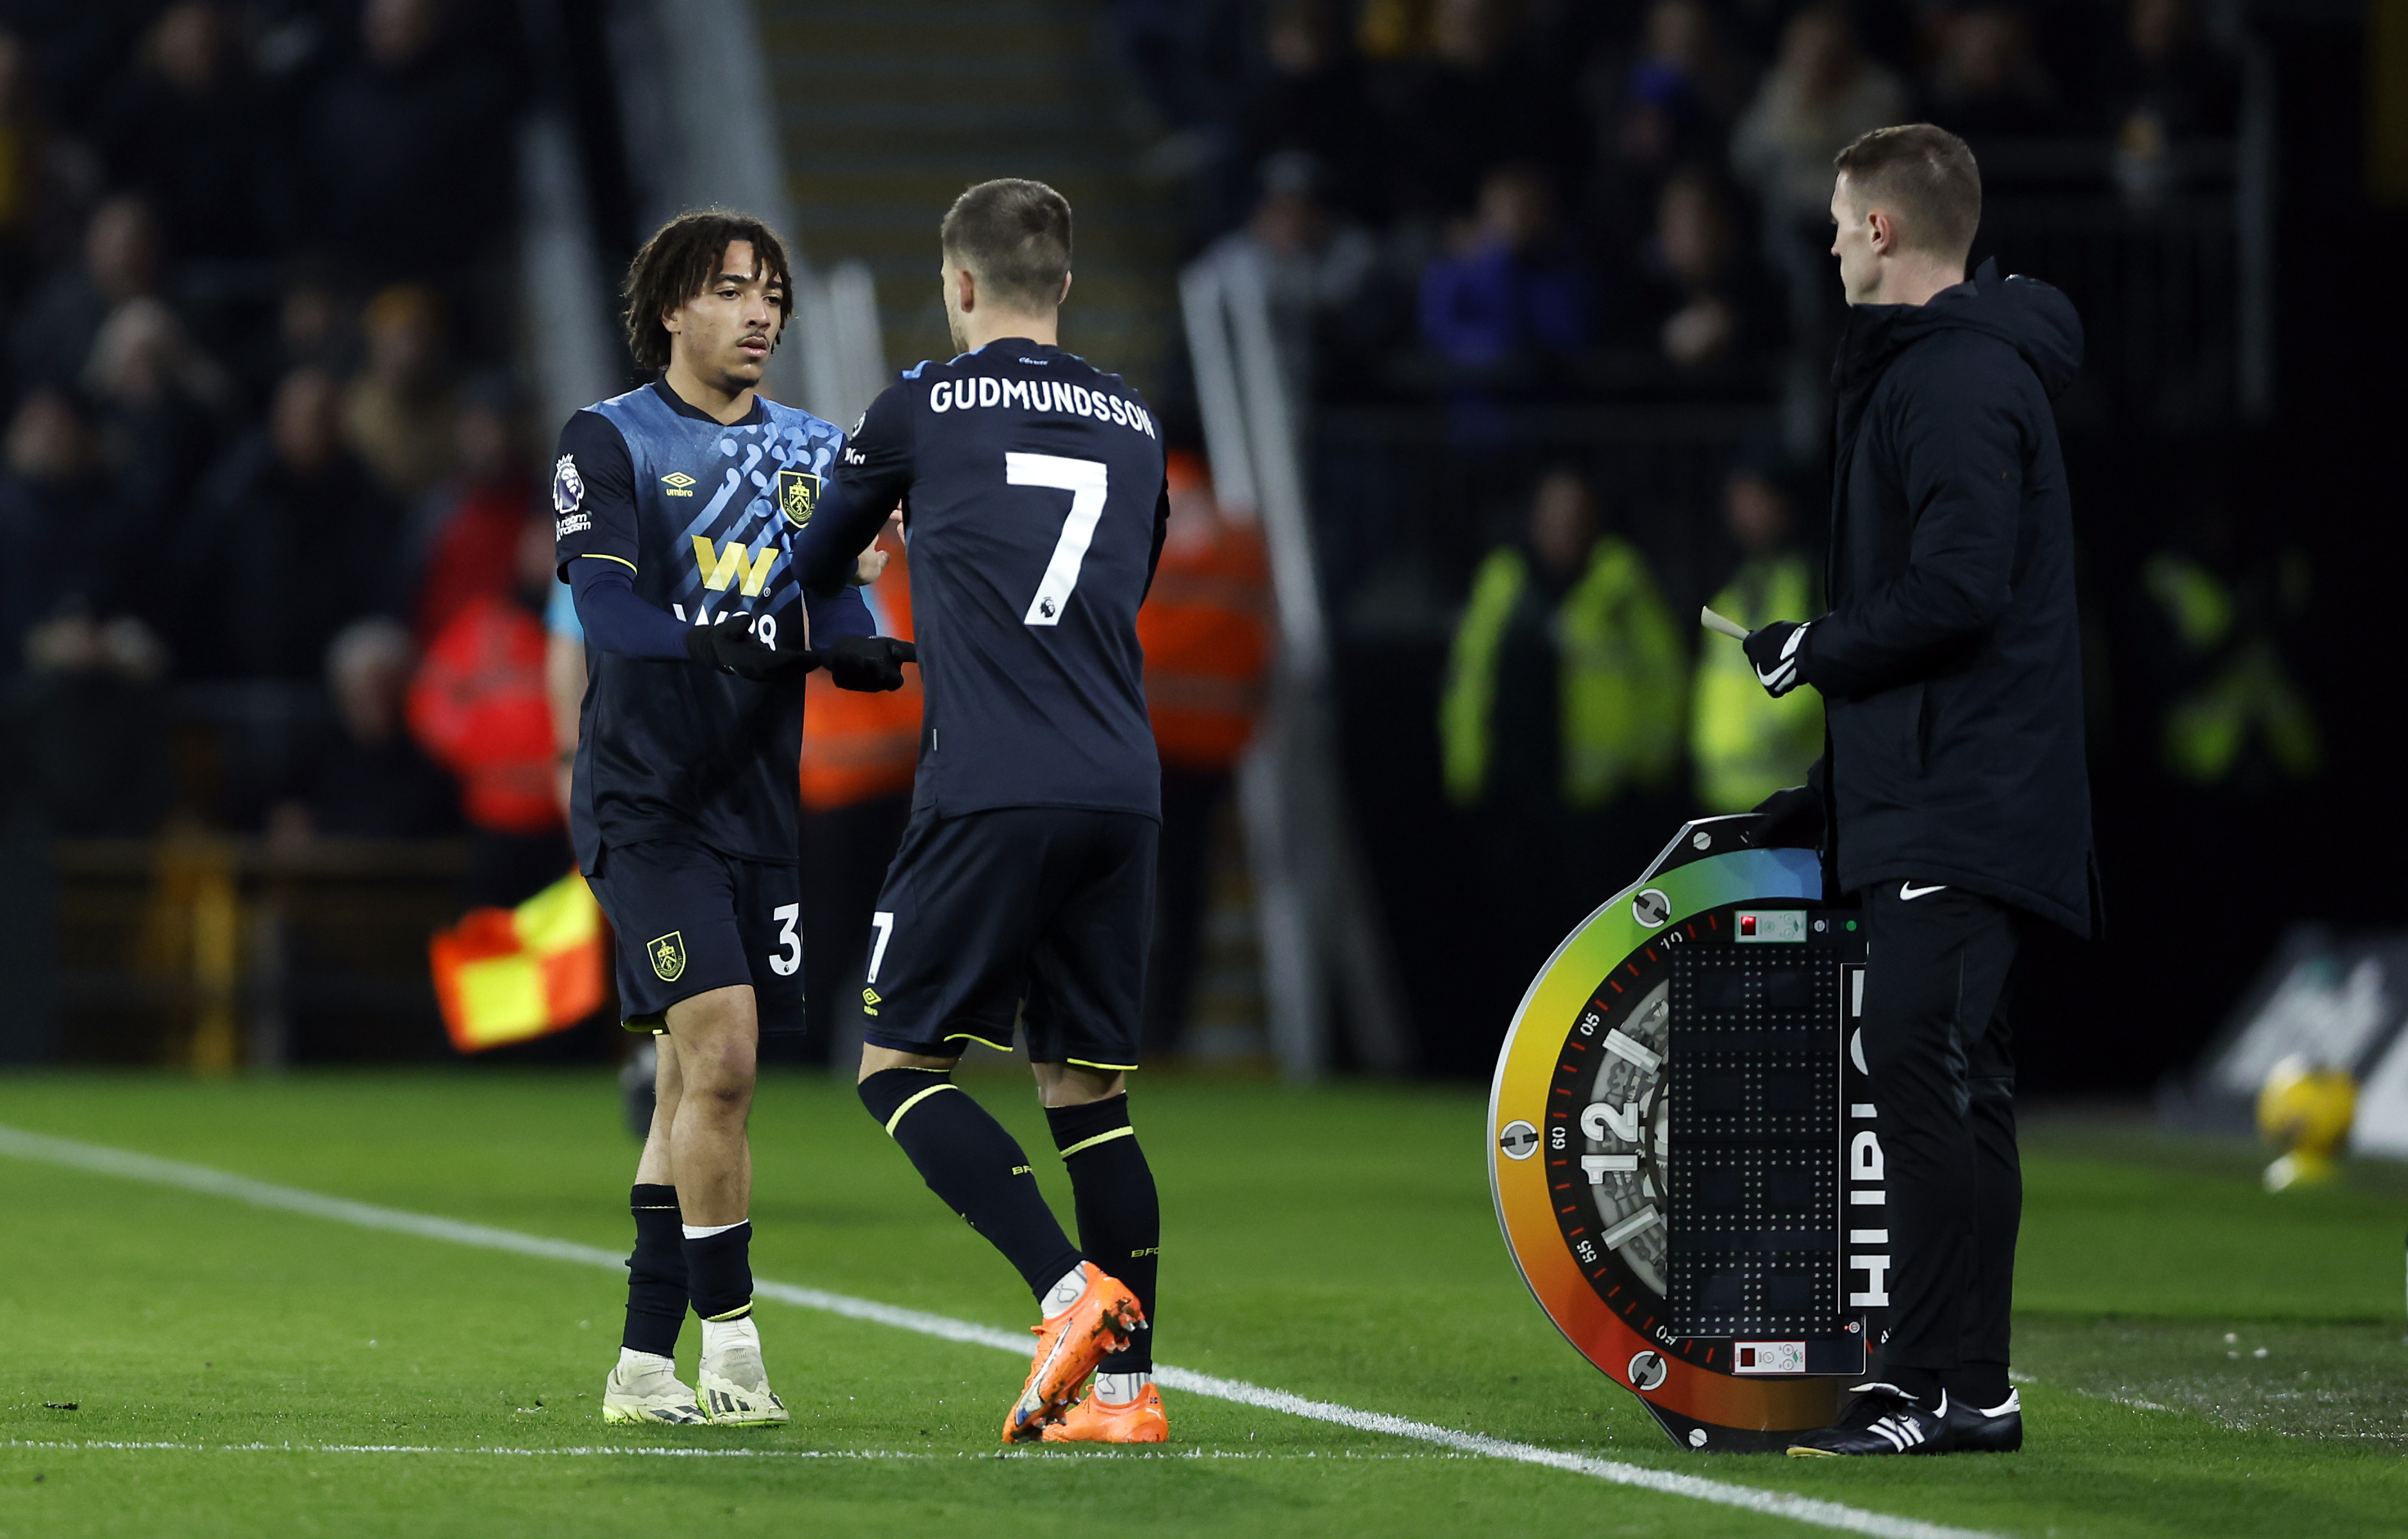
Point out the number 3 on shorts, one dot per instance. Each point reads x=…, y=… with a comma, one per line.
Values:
x=1085, y=480
x=790, y=955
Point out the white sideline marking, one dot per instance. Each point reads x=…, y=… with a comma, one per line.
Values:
x=632, y=1450
x=637, y=1450
x=124, y=1163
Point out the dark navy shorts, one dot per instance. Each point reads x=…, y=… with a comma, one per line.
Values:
x=1045, y=913
x=689, y=920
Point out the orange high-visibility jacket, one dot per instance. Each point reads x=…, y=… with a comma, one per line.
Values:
x=857, y=746
x=479, y=708
x=1206, y=628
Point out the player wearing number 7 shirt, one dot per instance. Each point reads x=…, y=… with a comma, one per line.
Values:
x=1032, y=490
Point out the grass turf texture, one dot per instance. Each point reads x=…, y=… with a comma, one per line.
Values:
x=1339, y=1244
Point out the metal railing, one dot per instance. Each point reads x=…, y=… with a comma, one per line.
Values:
x=150, y=930
x=2174, y=283
x=214, y=953
x=701, y=69
x=2169, y=258
x=1403, y=517
x=1320, y=931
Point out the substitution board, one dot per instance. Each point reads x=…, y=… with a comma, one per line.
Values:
x=1685, y=1153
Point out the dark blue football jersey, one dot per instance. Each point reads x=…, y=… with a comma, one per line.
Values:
x=1034, y=502
x=702, y=514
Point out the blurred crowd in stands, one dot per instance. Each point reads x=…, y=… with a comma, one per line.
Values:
x=1546, y=198
x=257, y=309
x=272, y=561
x=1485, y=227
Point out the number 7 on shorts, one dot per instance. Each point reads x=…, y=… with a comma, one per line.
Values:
x=884, y=923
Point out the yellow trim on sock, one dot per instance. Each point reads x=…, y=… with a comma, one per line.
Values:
x=731, y=1315
x=1099, y=1137
x=1115, y=1068
x=914, y=1101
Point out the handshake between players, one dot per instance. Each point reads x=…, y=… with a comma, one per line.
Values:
x=694, y=520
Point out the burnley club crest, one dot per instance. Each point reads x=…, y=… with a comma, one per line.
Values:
x=798, y=495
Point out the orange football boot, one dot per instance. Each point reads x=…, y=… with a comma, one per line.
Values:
x=1092, y=1421
x=1068, y=1348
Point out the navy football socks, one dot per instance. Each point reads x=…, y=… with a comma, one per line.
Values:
x=1922, y=1383
x=656, y=1272
x=719, y=1272
x=968, y=1159
x=1120, y=1217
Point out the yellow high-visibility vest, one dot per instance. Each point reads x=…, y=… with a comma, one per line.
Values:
x=1747, y=744
x=1619, y=678
x=2250, y=694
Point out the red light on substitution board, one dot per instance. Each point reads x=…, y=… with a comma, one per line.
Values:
x=1770, y=926
x=1768, y=1357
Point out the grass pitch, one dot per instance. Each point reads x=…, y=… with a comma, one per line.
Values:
x=1338, y=1244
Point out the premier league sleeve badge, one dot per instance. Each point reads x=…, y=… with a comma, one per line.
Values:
x=567, y=487
x=568, y=499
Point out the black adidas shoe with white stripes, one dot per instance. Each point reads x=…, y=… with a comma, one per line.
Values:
x=1885, y=1420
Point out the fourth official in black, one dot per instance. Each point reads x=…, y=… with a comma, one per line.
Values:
x=1954, y=796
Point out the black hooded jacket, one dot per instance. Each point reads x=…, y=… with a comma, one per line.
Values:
x=1950, y=662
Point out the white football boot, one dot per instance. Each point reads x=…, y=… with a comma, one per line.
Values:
x=733, y=1388
x=644, y=1386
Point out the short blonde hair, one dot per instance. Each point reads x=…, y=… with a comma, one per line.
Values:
x=1925, y=179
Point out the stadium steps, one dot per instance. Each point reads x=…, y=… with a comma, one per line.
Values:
x=888, y=110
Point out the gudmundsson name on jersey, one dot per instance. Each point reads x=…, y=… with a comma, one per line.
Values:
x=987, y=390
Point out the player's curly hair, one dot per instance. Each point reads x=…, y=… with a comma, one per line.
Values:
x=680, y=258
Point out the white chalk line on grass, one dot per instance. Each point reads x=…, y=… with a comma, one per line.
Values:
x=124, y=1163
x=637, y=1450
x=630, y=1450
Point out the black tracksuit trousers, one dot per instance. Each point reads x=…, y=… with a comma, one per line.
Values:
x=1938, y=968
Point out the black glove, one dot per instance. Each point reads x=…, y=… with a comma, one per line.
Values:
x=869, y=664
x=1792, y=819
x=732, y=648
x=1778, y=651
